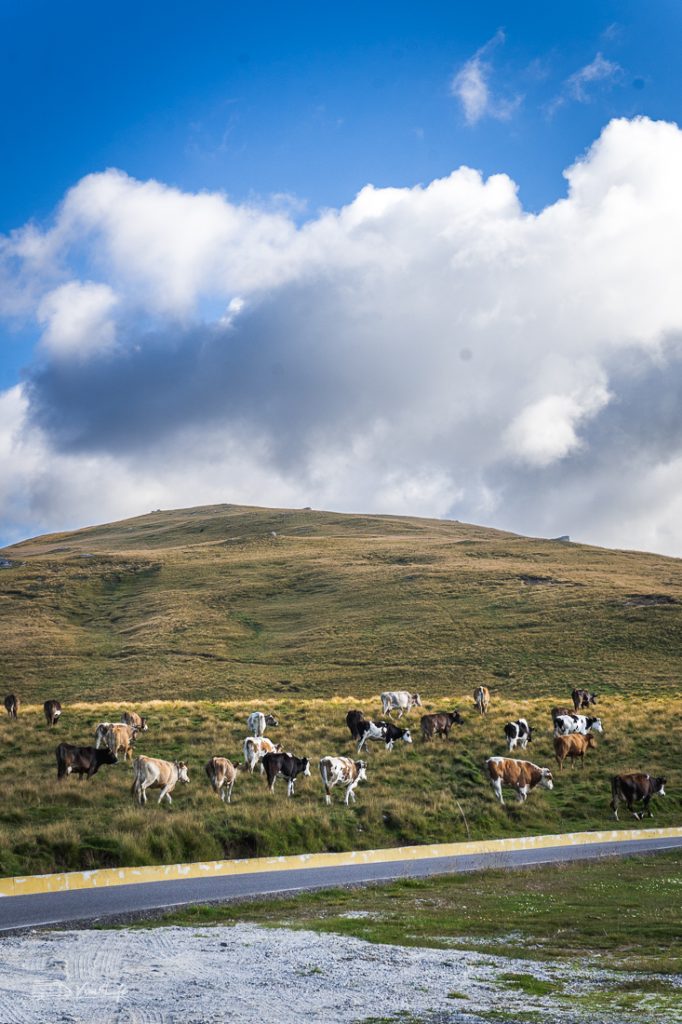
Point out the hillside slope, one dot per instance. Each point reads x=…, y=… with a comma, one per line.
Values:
x=226, y=602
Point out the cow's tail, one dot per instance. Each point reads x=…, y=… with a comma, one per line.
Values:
x=325, y=781
x=135, y=788
x=615, y=793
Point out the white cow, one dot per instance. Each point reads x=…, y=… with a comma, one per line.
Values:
x=153, y=773
x=344, y=770
x=399, y=700
x=257, y=723
x=101, y=733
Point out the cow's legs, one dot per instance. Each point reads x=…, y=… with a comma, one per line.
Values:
x=497, y=790
x=290, y=787
x=165, y=793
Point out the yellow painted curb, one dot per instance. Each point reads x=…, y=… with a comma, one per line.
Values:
x=102, y=877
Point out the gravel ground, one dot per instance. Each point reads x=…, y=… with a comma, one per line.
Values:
x=250, y=975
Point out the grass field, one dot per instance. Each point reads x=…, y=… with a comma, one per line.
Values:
x=197, y=617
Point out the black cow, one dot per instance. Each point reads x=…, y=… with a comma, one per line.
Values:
x=583, y=699
x=287, y=766
x=12, y=705
x=634, y=788
x=353, y=719
x=439, y=724
x=81, y=761
x=53, y=710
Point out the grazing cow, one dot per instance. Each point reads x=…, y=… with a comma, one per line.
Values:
x=583, y=699
x=287, y=766
x=634, y=788
x=12, y=703
x=574, y=745
x=121, y=738
x=255, y=749
x=81, y=760
x=566, y=724
x=344, y=770
x=518, y=733
x=153, y=773
x=132, y=718
x=439, y=724
x=257, y=723
x=482, y=699
x=353, y=719
x=101, y=733
x=222, y=774
x=520, y=775
x=53, y=710
x=400, y=701
x=394, y=733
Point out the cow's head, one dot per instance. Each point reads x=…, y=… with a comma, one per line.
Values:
x=456, y=718
x=406, y=736
x=107, y=756
x=591, y=742
x=546, y=780
x=416, y=700
x=183, y=773
x=271, y=720
x=595, y=723
x=144, y=727
x=591, y=699
x=306, y=766
x=659, y=785
x=362, y=770
x=278, y=748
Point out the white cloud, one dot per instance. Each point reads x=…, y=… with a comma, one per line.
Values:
x=579, y=85
x=471, y=86
x=432, y=349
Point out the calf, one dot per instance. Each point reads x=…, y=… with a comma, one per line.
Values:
x=72, y=760
x=344, y=770
x=574, y=745
x=439, y=724
x=137, y=721
x=583, y=699
x=518, y=733
x=288, y=767
x=257, y=723
x=566, y=724
x=153, y=773
x=482, y=699
x=523, y=776
x=222, y=774
x=633, y=788
x=400, y=701
x=12, y=705
x=255, y=749
x=121, y=738
x=53, y=710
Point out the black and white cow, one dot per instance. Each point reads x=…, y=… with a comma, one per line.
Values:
x=636, y=787
x=518, y=733
x=287, y=767
x=566, y=724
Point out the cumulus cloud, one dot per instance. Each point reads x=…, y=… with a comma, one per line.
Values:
x=432, y=350
x=471, y=86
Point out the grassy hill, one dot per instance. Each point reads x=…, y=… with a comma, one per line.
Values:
x=225, y=602
x=197, y=616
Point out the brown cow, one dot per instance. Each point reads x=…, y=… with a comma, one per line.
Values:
x=121, y=737
x=53, y=710
x=153, y=773
x=132, y=718
x=439, y=724
x=482, y=699
x=633, y=788
x=583, y=699
x=12, y=703
x=520, y=775
x=222, y=774
x=574, y=745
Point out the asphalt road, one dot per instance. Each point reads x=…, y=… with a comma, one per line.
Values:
x=83, y=905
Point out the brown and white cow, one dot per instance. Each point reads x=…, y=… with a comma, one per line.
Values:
x=153, y=773
x=12, y=703
x=344, y=771
x=574, y=746
x=81, y=760
x=132, y=718
x=583, y=699
x=523, y=776
x=222, y=774
x=255, y=749
x=439, y=724
x=482, y=699
x=634, y=788
x=121, y=738
x=53, y=710
x=400, y=701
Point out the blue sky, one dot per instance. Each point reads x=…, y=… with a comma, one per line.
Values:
x=289, y=110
